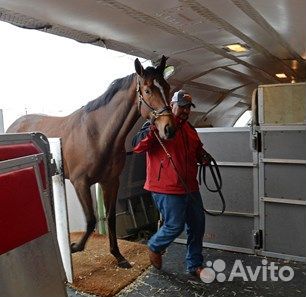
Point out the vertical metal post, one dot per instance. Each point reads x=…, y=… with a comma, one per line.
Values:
x=102, y=228
x=1, y=122
x=131, y=210
x=60, y=206
x=144, y=209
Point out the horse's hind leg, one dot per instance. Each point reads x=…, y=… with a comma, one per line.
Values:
x=82, y=189
x=110, y=198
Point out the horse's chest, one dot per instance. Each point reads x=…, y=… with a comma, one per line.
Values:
x=110, y=165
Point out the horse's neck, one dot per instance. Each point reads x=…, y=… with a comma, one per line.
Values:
x=120, y=115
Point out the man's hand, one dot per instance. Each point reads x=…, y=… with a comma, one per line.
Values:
x=206, y=158
x=152, y=128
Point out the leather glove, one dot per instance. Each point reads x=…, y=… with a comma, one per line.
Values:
x=206, y=158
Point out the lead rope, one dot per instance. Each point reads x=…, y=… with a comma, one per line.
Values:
x=217, y=183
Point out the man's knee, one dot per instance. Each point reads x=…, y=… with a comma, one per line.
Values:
x=176, y=230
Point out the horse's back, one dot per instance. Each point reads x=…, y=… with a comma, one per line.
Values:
x=50, y=126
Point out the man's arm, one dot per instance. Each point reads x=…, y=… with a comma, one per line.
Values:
x=142, y=141
x=203, y=157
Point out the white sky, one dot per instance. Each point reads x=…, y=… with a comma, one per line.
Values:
x=44, y=73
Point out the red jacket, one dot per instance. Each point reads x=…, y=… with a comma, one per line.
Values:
x=186, y=150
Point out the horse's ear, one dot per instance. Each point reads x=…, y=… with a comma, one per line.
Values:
x=161, y=67
x=138, y=67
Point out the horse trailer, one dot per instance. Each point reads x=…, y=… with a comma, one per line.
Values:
x=242, y=62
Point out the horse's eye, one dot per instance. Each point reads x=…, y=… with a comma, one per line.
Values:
x=147, y=91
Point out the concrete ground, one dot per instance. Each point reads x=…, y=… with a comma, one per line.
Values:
x=173, y=280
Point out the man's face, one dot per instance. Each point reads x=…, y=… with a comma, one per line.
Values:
x=182, y=112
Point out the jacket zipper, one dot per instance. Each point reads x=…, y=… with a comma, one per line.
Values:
x=159, y=171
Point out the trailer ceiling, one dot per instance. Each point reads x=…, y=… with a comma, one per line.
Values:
x=193, y=35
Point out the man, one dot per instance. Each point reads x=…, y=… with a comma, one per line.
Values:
x=173, y=183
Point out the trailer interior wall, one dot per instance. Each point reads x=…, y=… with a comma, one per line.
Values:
x=282, y=170
x=238, y=166
x=265, y=190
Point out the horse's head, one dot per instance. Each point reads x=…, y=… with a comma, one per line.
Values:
x=153, y=97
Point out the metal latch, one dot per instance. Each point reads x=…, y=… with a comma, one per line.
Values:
x=53, y=167
x=255, y=139
x=257, y=239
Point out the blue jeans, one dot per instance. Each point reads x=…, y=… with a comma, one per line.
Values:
x=178, y=210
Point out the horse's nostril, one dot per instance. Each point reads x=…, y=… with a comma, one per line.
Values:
x=169, y=131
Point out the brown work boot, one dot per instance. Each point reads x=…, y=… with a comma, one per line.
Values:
x=204, y=275
x=198, y=272
x=155, y=259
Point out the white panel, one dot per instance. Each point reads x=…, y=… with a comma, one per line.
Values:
x=60, y=206
x=1, y=122
x=76, y=215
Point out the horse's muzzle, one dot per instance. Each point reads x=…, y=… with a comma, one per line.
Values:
x=169, y=131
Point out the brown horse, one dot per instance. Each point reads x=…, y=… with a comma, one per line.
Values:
x=93, y=139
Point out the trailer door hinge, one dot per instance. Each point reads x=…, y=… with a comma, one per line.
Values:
x=258, y=239
x=255, y=140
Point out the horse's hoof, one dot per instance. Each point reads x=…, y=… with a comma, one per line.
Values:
x=124, y=264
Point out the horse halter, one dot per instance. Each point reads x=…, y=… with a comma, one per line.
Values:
x=164, y=111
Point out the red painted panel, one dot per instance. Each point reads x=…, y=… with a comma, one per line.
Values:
x=13, y=151
x=22, y=216
x=18, y=150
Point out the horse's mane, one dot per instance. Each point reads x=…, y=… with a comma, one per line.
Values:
x=119, y=84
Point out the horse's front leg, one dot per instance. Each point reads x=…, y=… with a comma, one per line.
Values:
x=110, y=191
x=82, y=189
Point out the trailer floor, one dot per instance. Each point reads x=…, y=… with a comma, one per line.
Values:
x=173, y=280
